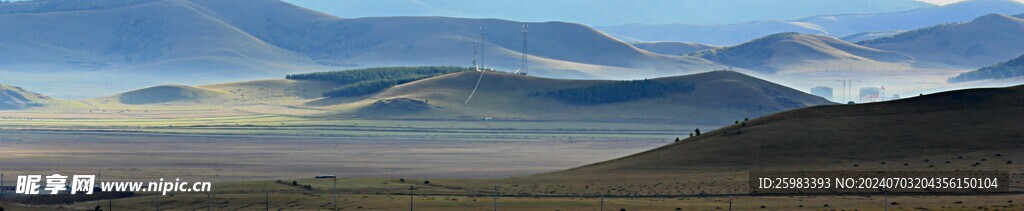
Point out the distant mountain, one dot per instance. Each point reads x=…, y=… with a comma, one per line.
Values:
x=608, y=13
x=925, y=133
x=832, y=25
x=730, y=34
x=1008, y=69
x=12, y=97
x=794, y=52
x=191, y=41
x=984, y=41
x=672, y=48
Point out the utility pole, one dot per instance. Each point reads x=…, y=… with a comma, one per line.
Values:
x=267, y=194
x=411, y=194
x=886, y=200
x=157, y=202
x=495, y=197
x=208, y=201
x=602, y=203
x=730, y=203
x=335, y=191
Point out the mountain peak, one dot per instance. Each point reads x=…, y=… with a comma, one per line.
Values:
x=995, y=18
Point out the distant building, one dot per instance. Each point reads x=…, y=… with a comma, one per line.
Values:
x=822, y=91
x=870, y=94
x=895, y=97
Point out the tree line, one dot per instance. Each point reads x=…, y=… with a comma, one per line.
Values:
x=619, y=91
x=370, y=80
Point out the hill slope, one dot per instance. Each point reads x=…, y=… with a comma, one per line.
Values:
x=839, y=25
x=1008, y=69
x=789, y=52
x=672, y=48
x=167, y=94
x=976, y=125
x=12, y=97
x=713, y=98
x=984, y=41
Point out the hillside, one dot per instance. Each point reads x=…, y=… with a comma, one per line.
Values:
x=957, y=130
x=167, y=94
x=794, y=52
x=835, y=24
x=672, y=48
x=12, y=97
x=1003, y=70
x=223, y=40
x=984, y=41
x=711, y=98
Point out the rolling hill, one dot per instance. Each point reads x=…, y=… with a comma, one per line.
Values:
x=706, y=99
x=836, y=25
x=1003, y=70
x=12, y=97
x=794, y=52
x=167, y=94
x=672, y=48
x=957, y=130
x=711, y=98
x=984, y=41
x=154, y=42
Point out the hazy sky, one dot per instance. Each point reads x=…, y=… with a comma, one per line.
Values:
x=945, y=2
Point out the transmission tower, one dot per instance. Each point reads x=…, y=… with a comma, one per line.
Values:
x=525, y=68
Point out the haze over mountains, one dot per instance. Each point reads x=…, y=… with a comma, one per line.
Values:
x=981, y=42
x=182, y=41
x=794, y=52
x=672, y=48
x=708, y=99
x=717, y=97
x=1003, y=70
x=615, y=12
x=82, y=49
x=832, y=25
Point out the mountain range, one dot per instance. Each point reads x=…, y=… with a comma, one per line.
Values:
x=184, y=41
x=794, y=52
x=625, y=12
x=832, y=25
x=981, y=42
